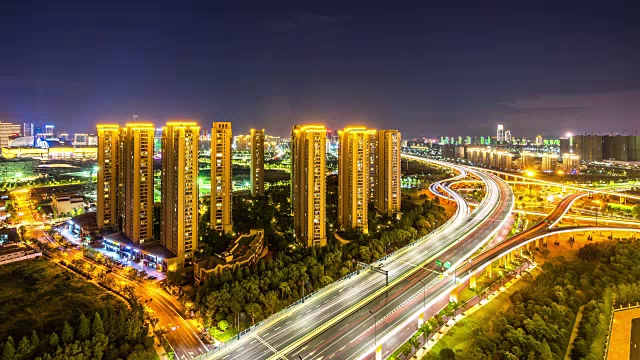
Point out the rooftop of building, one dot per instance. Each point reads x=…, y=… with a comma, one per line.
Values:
x=13, y=248
x=245, y=245
x=86, y=221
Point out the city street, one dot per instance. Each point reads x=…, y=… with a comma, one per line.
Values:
x=169, y=311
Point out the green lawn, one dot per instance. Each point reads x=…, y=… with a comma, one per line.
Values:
x=461, y=335
x=37, y=294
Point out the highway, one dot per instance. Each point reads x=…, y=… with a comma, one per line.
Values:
x=309, y=330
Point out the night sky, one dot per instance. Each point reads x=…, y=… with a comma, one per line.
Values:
x=537, y=68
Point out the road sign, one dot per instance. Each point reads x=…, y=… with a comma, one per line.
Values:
x=438, y=263
x=447, y=264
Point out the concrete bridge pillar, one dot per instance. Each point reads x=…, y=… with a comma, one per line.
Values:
x=379, y=352
x=490, y=270
x=540, y=243
x=472, y=281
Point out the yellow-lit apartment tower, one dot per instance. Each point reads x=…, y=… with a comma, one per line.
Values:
x=221, y=138
x=107, y=187
x=308, y=161
x=136, y=166
x=388, y=171
x=353, y=178
x=257, y=162
x=179, y=225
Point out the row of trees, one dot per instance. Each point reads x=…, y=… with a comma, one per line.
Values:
x=538, y=323
x=114, y=332
x=251, y=293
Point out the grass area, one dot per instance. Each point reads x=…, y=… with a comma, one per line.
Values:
x=39, y=295
x=461, y=335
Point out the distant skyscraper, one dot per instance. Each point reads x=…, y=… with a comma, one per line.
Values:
x=353, y=178
x=507, y=136
x=500, y=134
x=539, y=140
x=221, y=189
x=308, y=159
x=27, y=129
x=179, y=225
x=257, y=162
x=107, y=186
x=49, y=131
x=614, y=147
x=8, y=131
x=137, y=178
x=570, y=163
x=549, y=162
x=526, y=160
x=588, y=147
x=388, y=172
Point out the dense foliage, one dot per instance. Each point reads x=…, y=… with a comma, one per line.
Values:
x=115, y=332
x=273, y=283
x=538, y=323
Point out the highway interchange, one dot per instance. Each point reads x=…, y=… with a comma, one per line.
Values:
x=336, y=322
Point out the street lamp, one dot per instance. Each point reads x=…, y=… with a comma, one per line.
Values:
x=424, y=292
x=375, y=328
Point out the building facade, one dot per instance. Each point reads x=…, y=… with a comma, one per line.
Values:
x=353, y=178
x=308, y=167
x=137, y=181
x=179, y=225
x=221, y=136
x=257, y=162
x=388, y=172
x=107, y=186
x=8, y=131
x=549, y=162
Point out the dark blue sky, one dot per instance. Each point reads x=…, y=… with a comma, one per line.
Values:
x=434, y=70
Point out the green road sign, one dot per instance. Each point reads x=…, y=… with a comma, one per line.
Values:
x=438, y=263
x=447, y=264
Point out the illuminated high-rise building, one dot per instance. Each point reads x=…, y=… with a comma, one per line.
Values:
x=136, y=167
x=570, y=163
x=500, y=134
x=27, y=129
x=539, y=140
x=507, y=137
x=308, y=161
x=179, y=223
x=388, y=172
x=257, y=162
x=49, y=131
x=353, y=178
x=221, y=137
x=549, y=162
x=526, y=160
x=107, y=215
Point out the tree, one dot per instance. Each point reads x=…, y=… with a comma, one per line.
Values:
x=35, y=340
x=54, y=341
x=447, y=354
x=67, y=333
x=545, y=252
x=284, y=287
x=84, y=328
x=223, y=325
x=22, y=231
x=9, y=351
x=24, y=348
x=545, y=351
x=97, y=328
x=254, y=311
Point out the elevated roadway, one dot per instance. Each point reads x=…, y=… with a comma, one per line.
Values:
x=307, y=329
